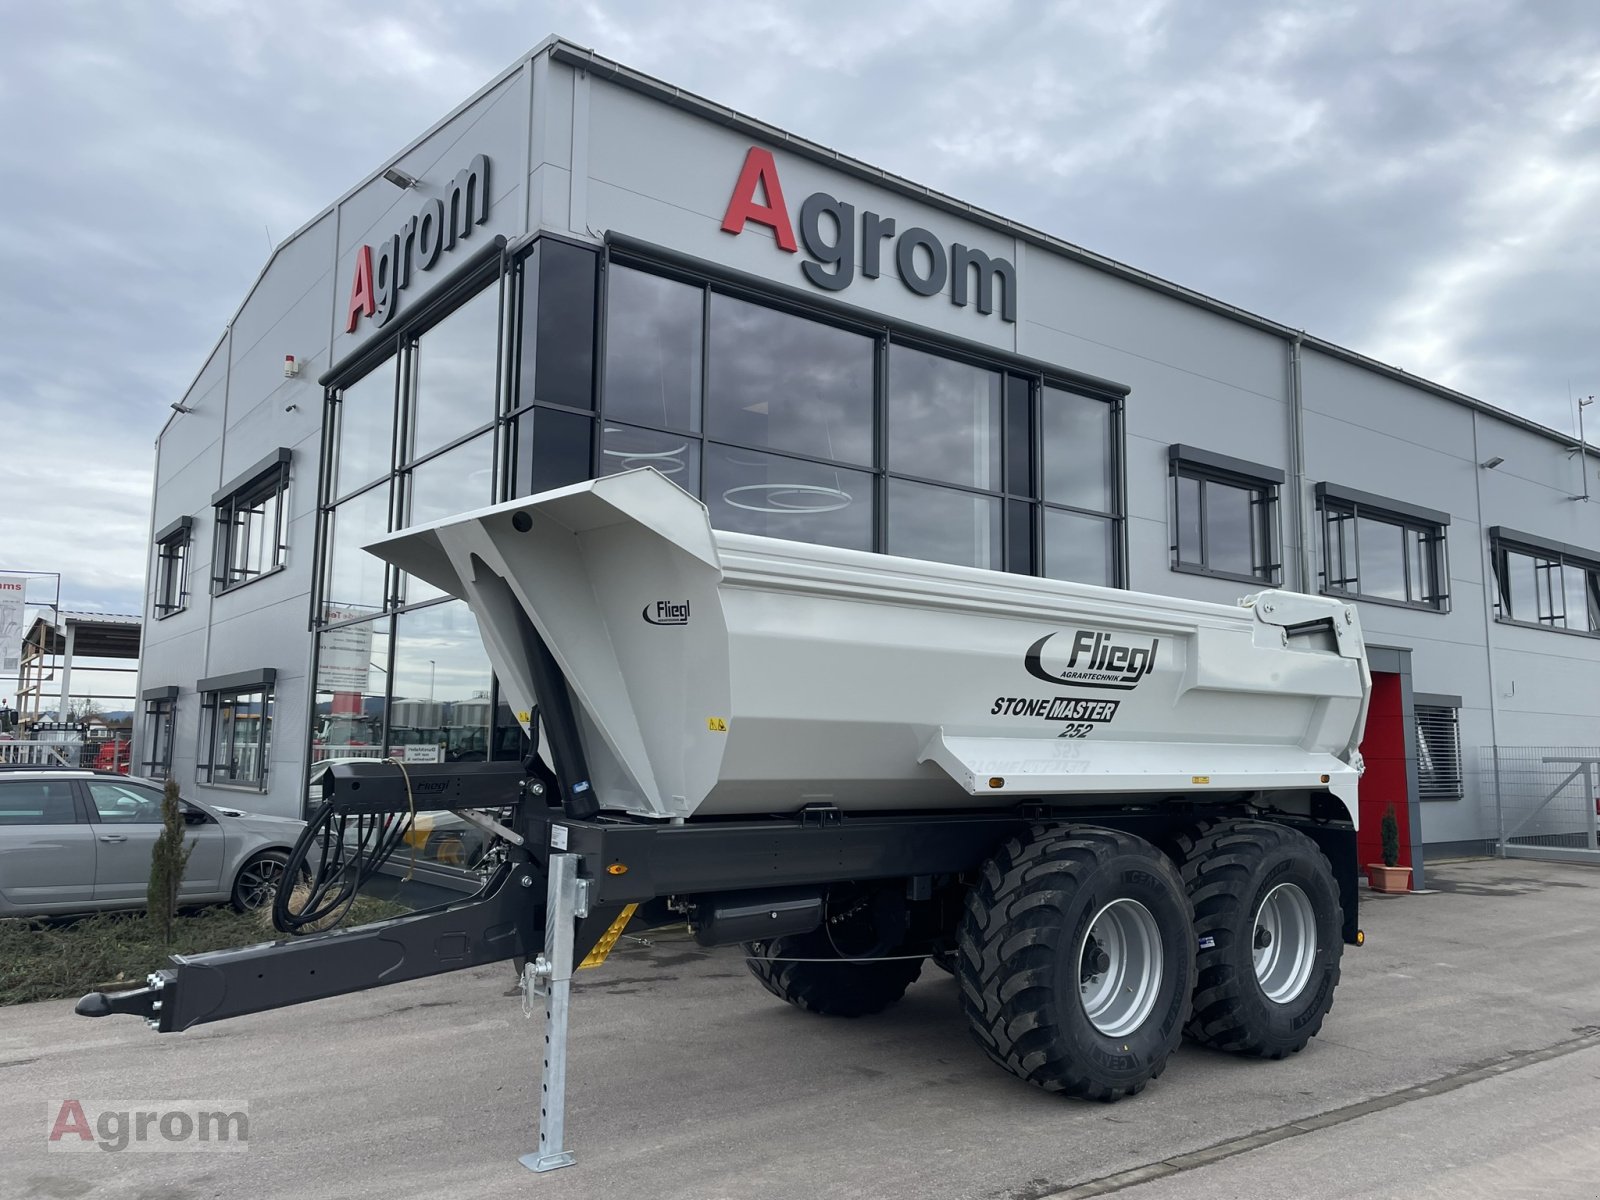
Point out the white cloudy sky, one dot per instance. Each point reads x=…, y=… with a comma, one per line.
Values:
x=1419, y=180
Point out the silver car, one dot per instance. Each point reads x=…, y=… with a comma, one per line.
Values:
x=80, y=841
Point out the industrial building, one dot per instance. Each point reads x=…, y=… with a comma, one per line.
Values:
x=584, y=270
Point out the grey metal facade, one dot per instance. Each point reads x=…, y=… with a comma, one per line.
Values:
x=587, y=151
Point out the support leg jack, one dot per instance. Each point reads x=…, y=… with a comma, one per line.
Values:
x=550, y=976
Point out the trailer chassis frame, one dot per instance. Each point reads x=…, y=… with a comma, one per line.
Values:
x=592, y=869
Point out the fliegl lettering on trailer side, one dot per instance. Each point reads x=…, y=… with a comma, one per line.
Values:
x=666, y=612
x=1093, y=660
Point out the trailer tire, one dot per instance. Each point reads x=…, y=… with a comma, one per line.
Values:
x=1254, y=882
x=1035, y=923
x=844, y=987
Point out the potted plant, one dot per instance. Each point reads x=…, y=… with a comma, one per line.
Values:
x=1389, y=876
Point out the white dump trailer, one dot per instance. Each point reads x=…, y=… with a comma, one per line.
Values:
x=717, y=674
x=1114, y=817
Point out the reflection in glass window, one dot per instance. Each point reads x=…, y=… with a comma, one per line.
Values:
x=1076, y=453
x=1581, y=597
x=625, y=448
x=238, y=737
x=1378, y=555
x=441, y=709
x=1079, y=548
x=453, y=369
x=783, y=382
x=38, y=802
x=365, y=429
x=751, y=492
x=944, y=419
x=352, y=676
x=172, y=576
x=1381, y=559
x=1232, y=531
x=252, y=531
x=944, y=525
x=558, y=326
x=1546, y=588
x=355, y=578
x=552, y=449
x=455, y=482
x=653, y=349
x=775, y=386
x=160, y=717
x=1224, y=524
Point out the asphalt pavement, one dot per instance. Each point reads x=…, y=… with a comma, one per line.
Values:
x=1462, y=1056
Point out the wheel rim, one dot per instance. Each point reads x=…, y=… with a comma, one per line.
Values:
x=1284, y=943
x=1119, y=968
x=257, y=881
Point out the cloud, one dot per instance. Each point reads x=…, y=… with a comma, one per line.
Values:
x=1413, y=181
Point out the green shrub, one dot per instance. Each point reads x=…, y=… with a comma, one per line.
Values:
x=1389, y=831
x=167, y=862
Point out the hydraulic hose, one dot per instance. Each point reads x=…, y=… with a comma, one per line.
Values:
x=349, y=850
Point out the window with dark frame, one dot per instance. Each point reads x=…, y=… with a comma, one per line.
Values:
x=432, y=426
x=795, y=422
x=1224, y=516
x=236, y=733
x=1545, y=584
x=804, y=426
x=171, y=574
x=1438, y=752
x=1383, y=550
x=252, y=526
x=160, y=721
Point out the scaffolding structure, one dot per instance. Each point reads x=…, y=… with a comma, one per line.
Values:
x=55, y=644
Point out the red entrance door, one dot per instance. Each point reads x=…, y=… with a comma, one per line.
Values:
x=1383, y=746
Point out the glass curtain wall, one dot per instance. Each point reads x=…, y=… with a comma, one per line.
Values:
x=487, y=396
x=787, y=424
x=803, y=427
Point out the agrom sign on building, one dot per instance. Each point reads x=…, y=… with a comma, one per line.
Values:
x=829, y=231
x=419, y=244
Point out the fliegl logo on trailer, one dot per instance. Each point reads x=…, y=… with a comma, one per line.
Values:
x=667, y=612
x=1093, y=659
x=828, y=231
x=417, y=245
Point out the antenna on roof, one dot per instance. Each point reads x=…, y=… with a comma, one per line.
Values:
x=1583, y=447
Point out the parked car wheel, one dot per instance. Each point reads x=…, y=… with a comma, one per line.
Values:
x=258, y=880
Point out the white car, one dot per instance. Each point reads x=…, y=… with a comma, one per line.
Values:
x=74, y=841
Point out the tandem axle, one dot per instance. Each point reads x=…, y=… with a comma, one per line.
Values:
x=564, y=888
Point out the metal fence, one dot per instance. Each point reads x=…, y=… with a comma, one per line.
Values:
x=1547, y=800
x=38, y=754
x=104, y=754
